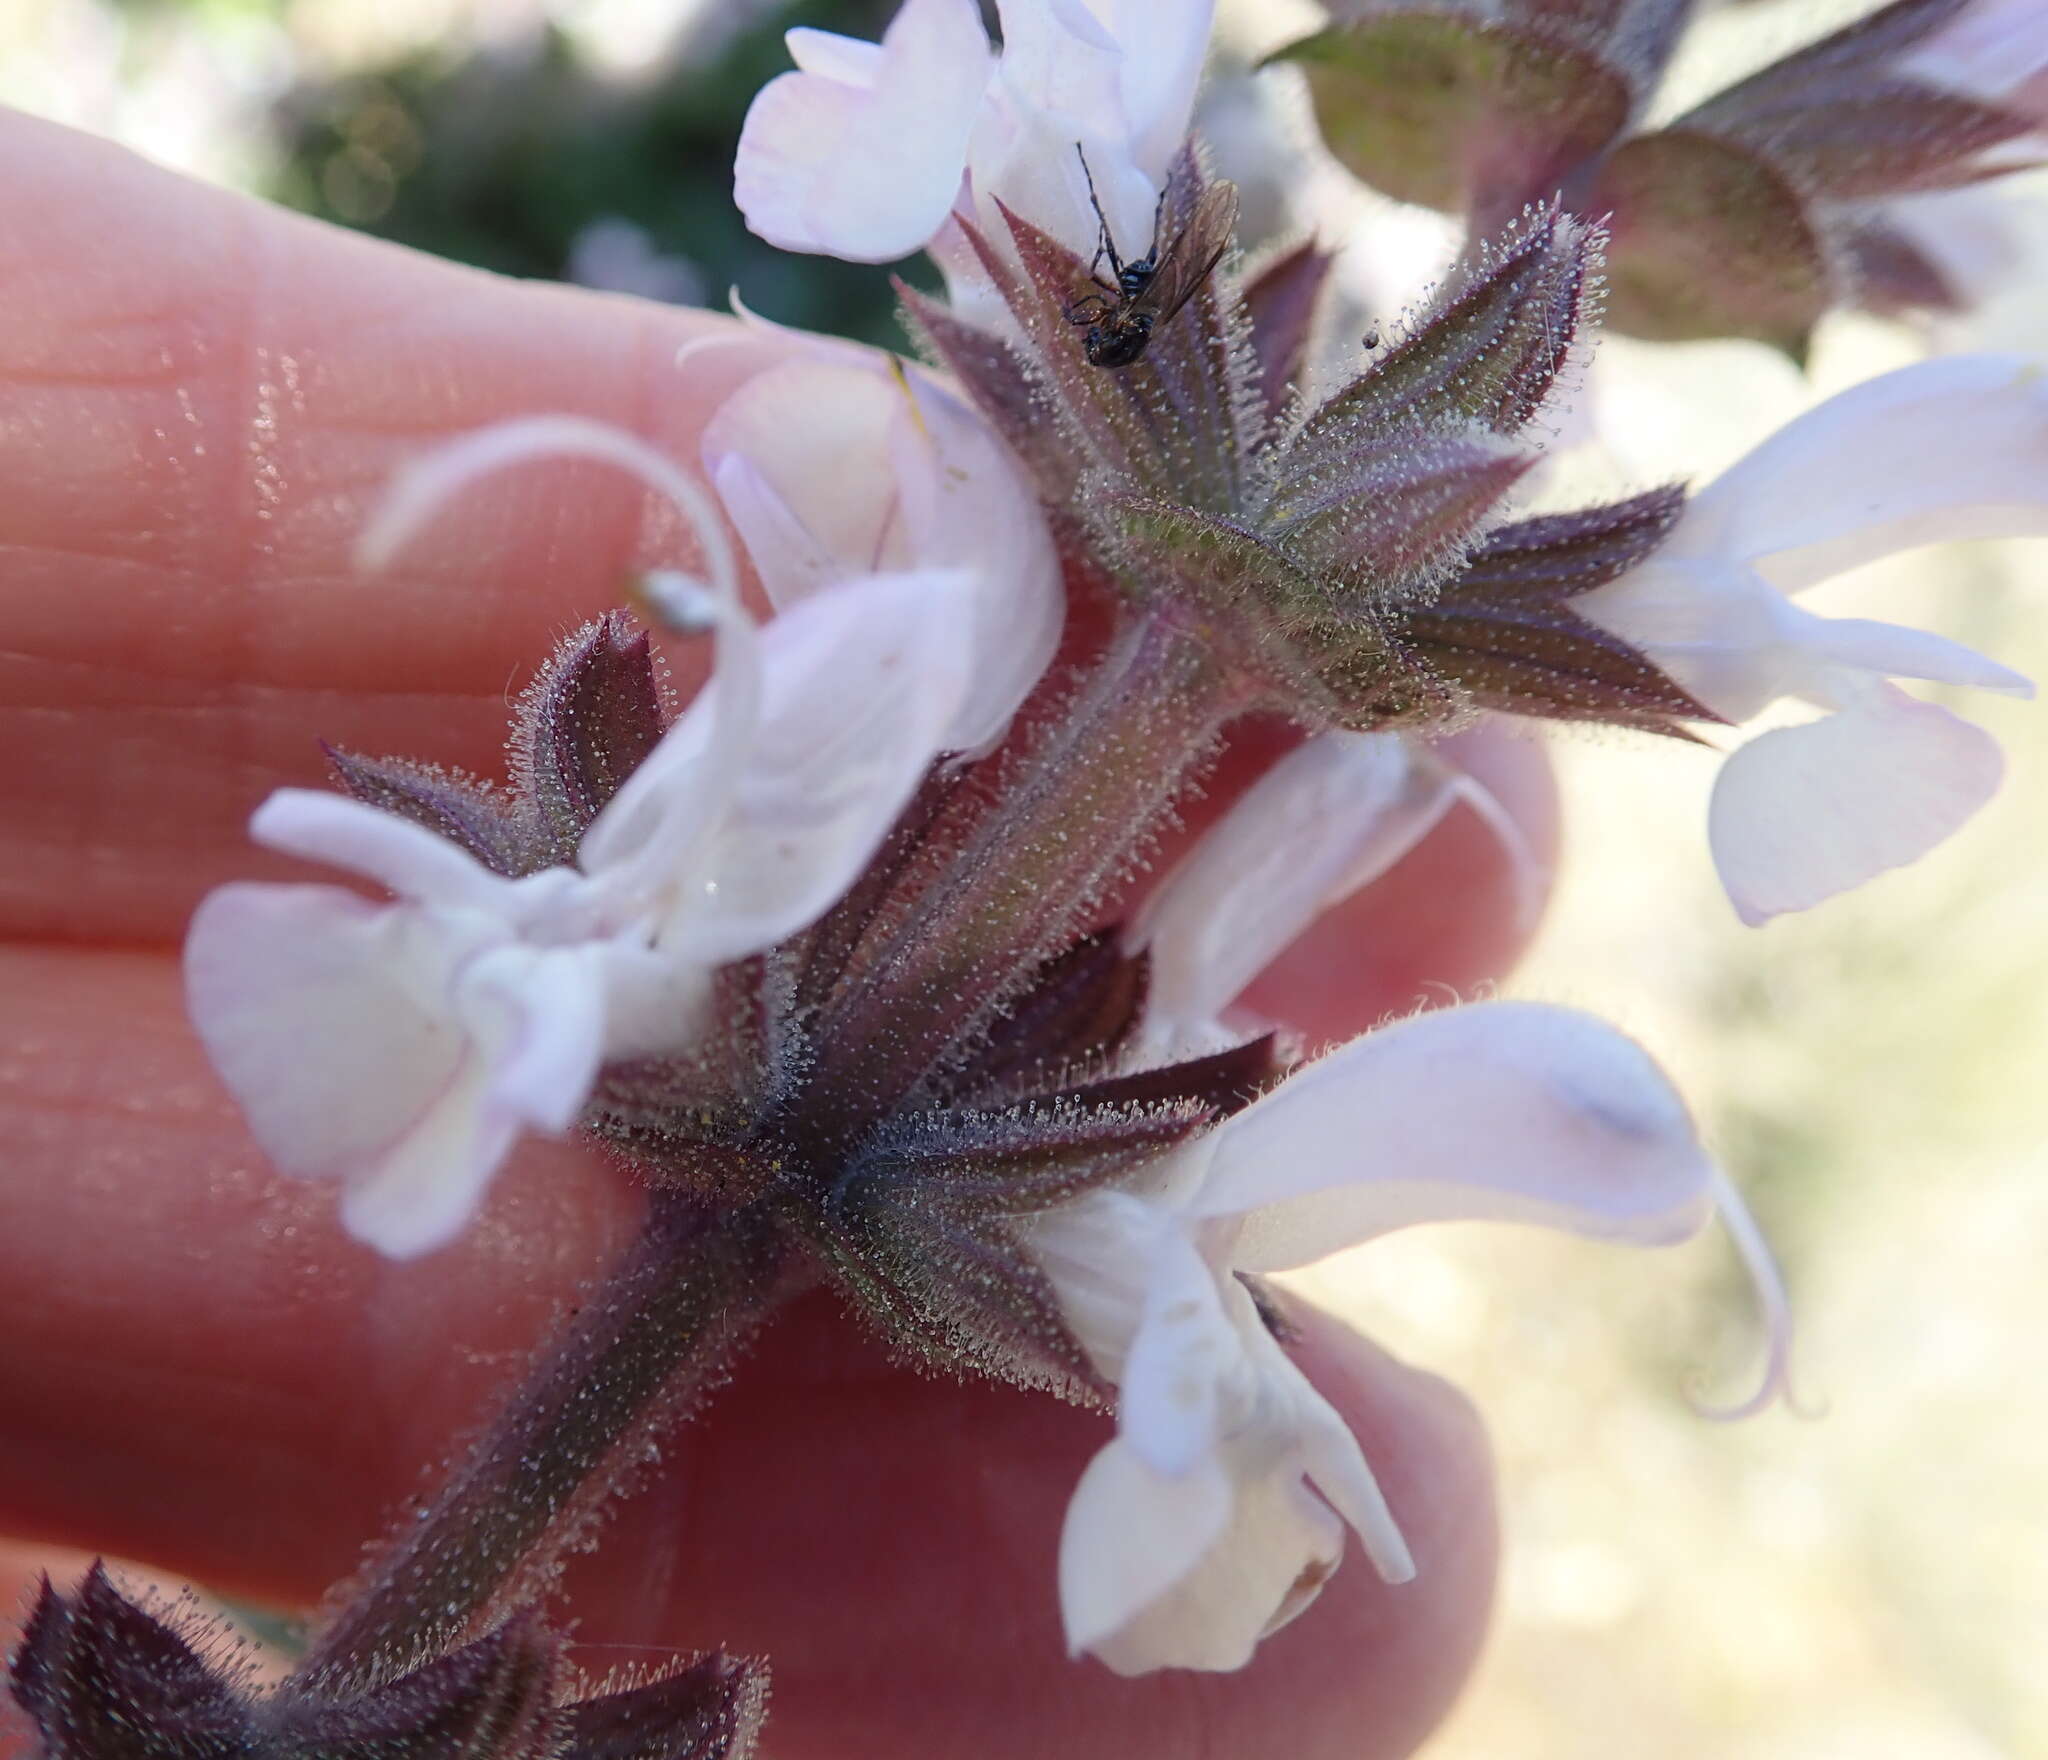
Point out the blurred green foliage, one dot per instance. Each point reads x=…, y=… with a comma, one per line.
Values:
x=501, y=157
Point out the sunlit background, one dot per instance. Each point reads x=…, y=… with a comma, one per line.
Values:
x=1868, y=1582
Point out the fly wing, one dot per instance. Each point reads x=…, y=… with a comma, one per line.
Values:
x=1186, y=260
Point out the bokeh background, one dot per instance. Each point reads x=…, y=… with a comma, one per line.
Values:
x=1865, y=1582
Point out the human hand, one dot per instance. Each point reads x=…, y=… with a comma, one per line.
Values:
x=197, y=1368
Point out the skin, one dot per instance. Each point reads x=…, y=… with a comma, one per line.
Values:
x=199, y=396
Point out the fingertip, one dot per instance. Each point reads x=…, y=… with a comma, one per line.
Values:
x=888, y=1541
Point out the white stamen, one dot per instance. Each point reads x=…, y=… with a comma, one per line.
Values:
x=1381, y=1536
x=1769, y=1286
x=424, y=487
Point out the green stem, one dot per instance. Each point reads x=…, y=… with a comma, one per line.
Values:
x=1074, y=815
x=637, y=1358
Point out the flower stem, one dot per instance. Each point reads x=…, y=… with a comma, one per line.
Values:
x=1072, y=815
x=633, y=1361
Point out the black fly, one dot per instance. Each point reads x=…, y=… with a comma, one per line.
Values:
x=1149, y=290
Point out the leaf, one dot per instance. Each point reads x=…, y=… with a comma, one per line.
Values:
x=1636, y=37
x=583, y=726
x=1503, y=630
x=1392, y=521
x=1229, y=571
x=709, y=1708
x=1283, y=301
x=1877, y=137
x=995, y=376
x=1461, y=114
x=1179, y=421
x=493, y=1699
x=1858, y=47
x=1709, y=238
x=1101, y=412
x=1078, y=1011
x=459, y=809
x=1831, y=64
x=1547, y=662
x=1557, y=555
x=1841, y=120
x=1893, y=275
x=1488, y=351
x=104, y=1680
x=978, y=1303
x=1012, y=1162
x=1224, y=1081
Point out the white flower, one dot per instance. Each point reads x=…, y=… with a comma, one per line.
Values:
x=858, y=154
x=861, y=153
x=834, y=465
x=1325, y=821
x=403, y=1047
x=1213, y=1517
x=1947, y=449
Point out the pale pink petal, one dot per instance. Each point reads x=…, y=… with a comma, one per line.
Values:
x=1954, y=448
x=1330, y=817
x=366, y=840
x=1738, y=645
x=1095, y=1251
x=848, y=60
x=1330, y=1455
x=1165, y=44
x=816, y=434
x=553, y=1001
x=1025, y=158
x=967, y=504
x=1131, y=1535
x=1190, y=1593
x=655, y=1003
x=860, y=686
x=648, y=840
x=765, y=344
x=1715, y=626
x=533, y=1024
x=1890, y=650
x=786, y=553
x=326, y=1018
x=399, y=1050
x=1059, y=88
x=832, y=470
x=1498, y=1111
x=866, y=171
x=1058, y=56
x=422, y=1192
x=1117, y=79
x=1182, y=1360
x=1802, y=813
